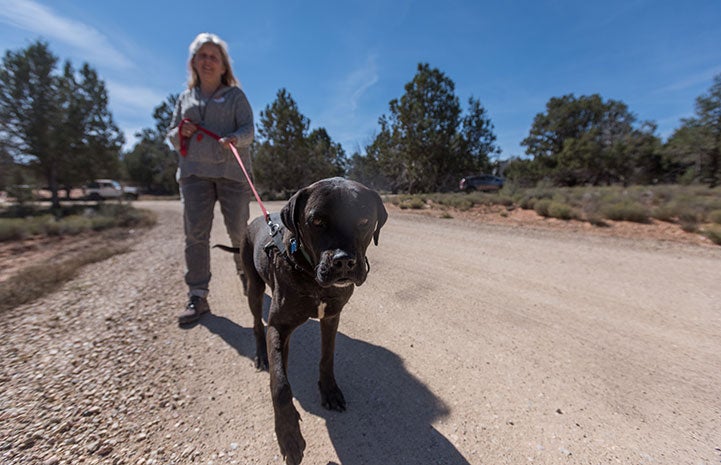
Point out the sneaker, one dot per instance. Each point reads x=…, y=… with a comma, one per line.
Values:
x=194, y=309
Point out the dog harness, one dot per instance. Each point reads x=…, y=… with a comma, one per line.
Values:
x=276, y=246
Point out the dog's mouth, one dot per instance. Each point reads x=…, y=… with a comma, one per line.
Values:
x=330, y=272
x=344, y=281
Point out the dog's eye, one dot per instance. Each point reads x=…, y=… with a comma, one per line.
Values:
x=363, y=222
x=318, y=222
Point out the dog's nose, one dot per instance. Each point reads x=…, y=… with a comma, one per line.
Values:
x=343, y=262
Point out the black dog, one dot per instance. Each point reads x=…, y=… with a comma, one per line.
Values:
x=312, y=268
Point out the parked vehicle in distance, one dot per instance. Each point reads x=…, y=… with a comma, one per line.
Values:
x=481, y=182
x=103, y=189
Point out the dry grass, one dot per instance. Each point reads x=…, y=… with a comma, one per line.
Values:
x=98, y=233
x=38, y=280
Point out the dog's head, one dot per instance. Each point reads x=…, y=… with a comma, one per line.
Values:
x=334, y=221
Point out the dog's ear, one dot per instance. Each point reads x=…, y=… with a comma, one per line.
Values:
x=291, y=212
x=382, y=217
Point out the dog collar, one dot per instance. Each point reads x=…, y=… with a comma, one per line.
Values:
x=295, y=246
x=276, y=242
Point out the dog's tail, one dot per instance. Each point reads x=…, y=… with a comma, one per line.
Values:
x=227, y=249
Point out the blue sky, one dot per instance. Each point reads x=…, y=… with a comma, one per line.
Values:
x=343, y=61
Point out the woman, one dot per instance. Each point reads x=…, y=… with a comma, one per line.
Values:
x=207, y=169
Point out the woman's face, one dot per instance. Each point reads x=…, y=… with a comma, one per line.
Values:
x=208, y=63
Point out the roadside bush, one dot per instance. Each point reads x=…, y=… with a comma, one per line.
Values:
x=686, y=217
x=597, y=220
x=561, y=211
x=715, y=216
x=505, y=200
x=689, y=227
x=527, y=202
x=12, y=229
x=626, y=211
x=667, y=213
x=459, y=201
x=74, y=221
x=713, y=233
x=125, y=215
x=414, y=203
x=102, y=223
x=688, y=206
x=462, y=204
x=70, y=226
x=541, y=207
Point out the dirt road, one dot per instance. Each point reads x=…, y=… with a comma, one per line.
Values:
x=468, y=344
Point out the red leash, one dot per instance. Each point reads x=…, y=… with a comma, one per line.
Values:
x=184, y=151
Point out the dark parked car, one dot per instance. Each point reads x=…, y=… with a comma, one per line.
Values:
x=483, y=182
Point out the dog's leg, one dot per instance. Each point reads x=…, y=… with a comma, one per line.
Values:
x=255, y=302
x=255, y=292
x=287, y=427
x=331, y=396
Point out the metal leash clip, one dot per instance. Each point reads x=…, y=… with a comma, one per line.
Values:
x=274, y=232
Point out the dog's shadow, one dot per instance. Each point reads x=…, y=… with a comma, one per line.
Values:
x=390, y=413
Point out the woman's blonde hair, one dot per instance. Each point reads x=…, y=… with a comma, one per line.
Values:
x=228, y=78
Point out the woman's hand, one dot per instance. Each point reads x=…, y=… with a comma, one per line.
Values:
x=188, y=129
x=227, y=141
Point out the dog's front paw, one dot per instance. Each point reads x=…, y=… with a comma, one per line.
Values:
x=291, y=443
x=261, y=363
x=331, y=397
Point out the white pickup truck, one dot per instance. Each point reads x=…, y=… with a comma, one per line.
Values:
x=102, y=189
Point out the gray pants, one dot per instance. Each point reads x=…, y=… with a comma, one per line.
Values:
x=199, y=196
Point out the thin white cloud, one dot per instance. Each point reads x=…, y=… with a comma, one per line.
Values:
x=691, y=81
x=134, y=98
x=39, y=19
x=358, y=82
x=344, y=118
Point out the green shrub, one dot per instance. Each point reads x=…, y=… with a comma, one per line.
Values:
x=686, y=217
x=414, y=203
x=76, y=225
x=713, y=233
x=541, y=207
x=11, y=229
x=662, y=195
x=527, y=202
x=504, y=200
x=689, y=226
x=462, y=204
x=561, y=211
x=458, y=201
x=101, y=223
x=715, y=216
x=626, y=211
x=596, y=220
x=667, y=213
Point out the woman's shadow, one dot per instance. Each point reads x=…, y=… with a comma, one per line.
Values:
x=390, y=413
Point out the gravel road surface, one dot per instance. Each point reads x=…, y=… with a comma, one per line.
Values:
x=469, y=344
